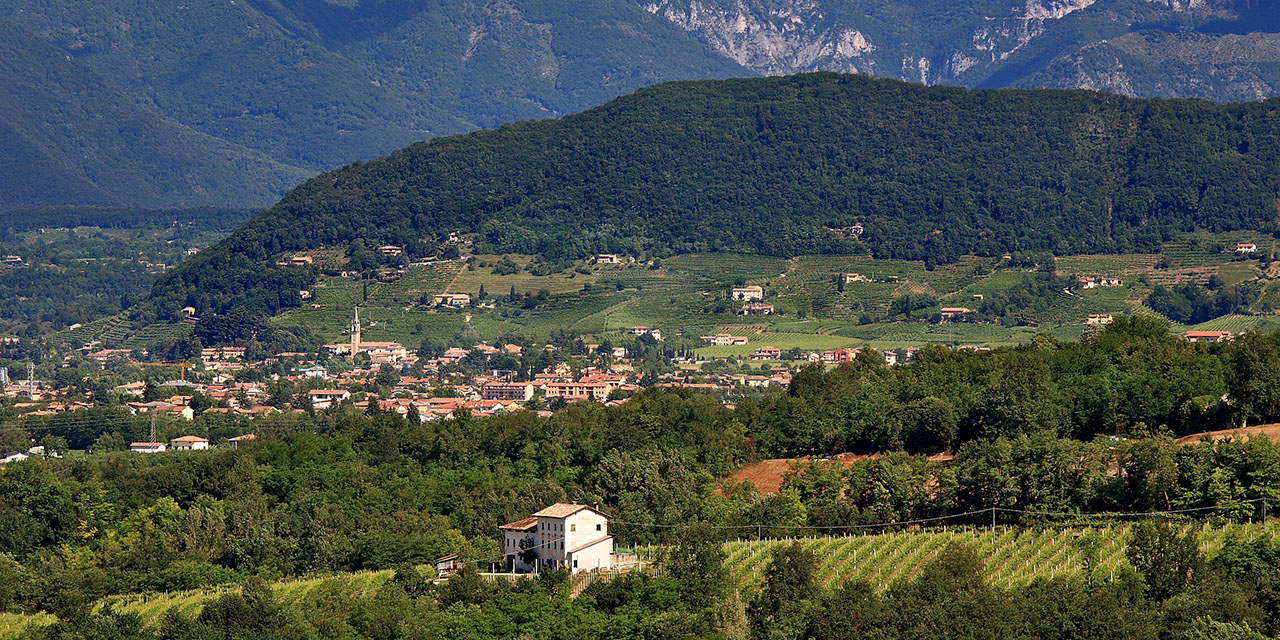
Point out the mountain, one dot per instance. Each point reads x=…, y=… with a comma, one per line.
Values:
x=287, y=88
x=777, y=166
x=1223, y=50
x=229, y=103
x=71, y=138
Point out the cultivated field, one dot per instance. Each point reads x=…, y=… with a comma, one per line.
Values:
x=1011, y=556
x=686, y=296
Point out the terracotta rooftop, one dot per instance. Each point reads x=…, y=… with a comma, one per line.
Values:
x=563, y=510
x=521, y=525
x=189, y=439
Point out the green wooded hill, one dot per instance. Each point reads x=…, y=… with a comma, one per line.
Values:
x=769, y=166
x=232, y=103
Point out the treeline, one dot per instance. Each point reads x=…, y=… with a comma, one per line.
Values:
x=1027, y=477
x=1191, y=304
x=206, y=218
x=772, y=165
x=1135, y=378
x=1168, y=590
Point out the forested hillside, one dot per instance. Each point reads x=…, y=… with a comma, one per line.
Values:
x=232, y=103
x=773, y=166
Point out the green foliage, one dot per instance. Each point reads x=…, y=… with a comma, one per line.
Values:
x=738, y=177
x=1168, y=560
x=1190, y=304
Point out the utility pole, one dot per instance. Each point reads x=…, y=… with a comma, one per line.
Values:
x=153, y=431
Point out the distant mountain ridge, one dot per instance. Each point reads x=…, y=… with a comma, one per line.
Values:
x=231, y=103
x=254, y=95
x=1223, y=50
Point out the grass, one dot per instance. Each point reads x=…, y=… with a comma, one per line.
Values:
x=16, y=625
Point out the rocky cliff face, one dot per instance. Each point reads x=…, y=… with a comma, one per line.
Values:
x=1060, y=43
x=777, y=37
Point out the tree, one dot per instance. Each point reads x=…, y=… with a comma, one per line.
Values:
x=697, y=563
x=1167, y=559
x=786, y=605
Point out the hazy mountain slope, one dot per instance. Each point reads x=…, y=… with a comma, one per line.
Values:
x=1157, y=63
x=771, y=166
x=995, y=43
x=70, y=138
x=317, y=84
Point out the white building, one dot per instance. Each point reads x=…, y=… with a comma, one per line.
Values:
x=147, y=447
x=749, y=293
x=188, y=443
x=572, y=536
x=325, y=398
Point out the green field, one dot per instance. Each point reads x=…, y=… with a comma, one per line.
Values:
x=686, y=296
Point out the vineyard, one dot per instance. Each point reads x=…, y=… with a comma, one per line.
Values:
x=1011, y=556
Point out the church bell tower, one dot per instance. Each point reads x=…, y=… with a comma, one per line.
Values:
x=355, y=333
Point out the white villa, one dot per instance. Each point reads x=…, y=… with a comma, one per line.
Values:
x=562, y=535
x=188, y=443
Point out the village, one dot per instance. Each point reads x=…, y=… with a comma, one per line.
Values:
x=387, y=377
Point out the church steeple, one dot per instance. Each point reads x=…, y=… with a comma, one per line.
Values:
x=355, y=333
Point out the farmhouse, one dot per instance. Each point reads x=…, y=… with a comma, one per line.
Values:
x=767, y=353
x=608, y=258
x=850, y=278
x=748, y=293
x=1099, y=319
x=839, y=355
x=147, y=447
x=1246, y=247
x=950, y=313
x=188, y=443
x=452, y=300
x=1209, y=336
x=572, y=536
x=390, y=250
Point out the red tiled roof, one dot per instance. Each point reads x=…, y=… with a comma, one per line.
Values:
x=564, y=510
x=521, y=525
